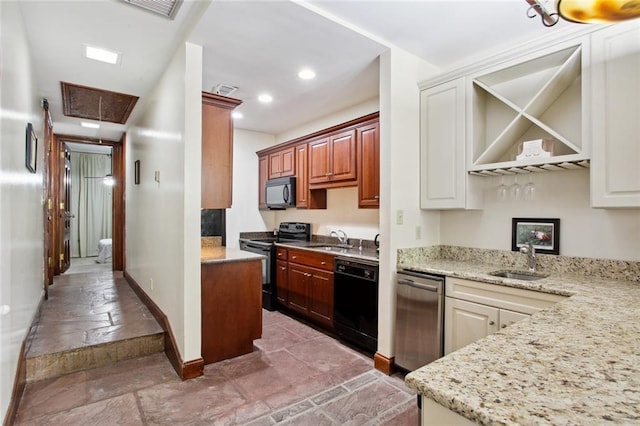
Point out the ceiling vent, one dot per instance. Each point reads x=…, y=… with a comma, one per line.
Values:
x=166, y=8
x=223, y=89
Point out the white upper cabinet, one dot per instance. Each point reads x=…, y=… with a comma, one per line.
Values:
x=444, y=183
x=615, y=169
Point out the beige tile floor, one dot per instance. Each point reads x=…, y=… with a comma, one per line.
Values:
x=296, y=375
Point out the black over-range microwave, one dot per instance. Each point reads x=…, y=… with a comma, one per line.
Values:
x=281, y=192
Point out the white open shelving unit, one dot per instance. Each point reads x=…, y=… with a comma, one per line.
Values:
x=540, y=98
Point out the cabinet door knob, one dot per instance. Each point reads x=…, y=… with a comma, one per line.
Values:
x=492, y=322
x=294, y=257
x=323, y=263
x=377, y=197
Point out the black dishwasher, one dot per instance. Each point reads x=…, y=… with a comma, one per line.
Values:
x=356, y=302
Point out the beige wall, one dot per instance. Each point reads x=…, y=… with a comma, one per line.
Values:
x=244, y=216
x=163, y=218
x=584, y=232
x=21, y=197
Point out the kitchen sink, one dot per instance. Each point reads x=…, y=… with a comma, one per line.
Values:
x=331, y=246
x=518, y=275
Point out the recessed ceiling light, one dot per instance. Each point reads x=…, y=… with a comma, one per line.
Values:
x=101, y=54
x=236, y=114
x=307, y=74
x=265, y=98
x=90, y=125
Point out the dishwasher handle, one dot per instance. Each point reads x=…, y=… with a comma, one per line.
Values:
x=420, y=286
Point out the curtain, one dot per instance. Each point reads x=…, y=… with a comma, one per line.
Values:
x=91, y=202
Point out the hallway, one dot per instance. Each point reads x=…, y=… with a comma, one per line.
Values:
x=296, y=375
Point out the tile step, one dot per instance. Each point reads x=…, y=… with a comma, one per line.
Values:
x=56, y=364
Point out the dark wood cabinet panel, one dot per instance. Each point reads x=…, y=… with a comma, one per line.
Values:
x=282, y=280
x=319, y=160
x=321, y=297
x=217, y=150
x=231, y=303
x=298, y=288
x=282, y=163
x=302, y=176
x=309, y=282
x=263, y=175
x=343, y=156
x=332, y=160
x=369, y=166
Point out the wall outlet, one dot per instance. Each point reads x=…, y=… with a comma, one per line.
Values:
x=418, y=232
x=399, y=217
x=151, y=284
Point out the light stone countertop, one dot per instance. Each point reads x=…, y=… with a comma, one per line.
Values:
x=577, y=362
x=213, y=254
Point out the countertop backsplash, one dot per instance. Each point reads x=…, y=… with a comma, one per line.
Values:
x=605, y=268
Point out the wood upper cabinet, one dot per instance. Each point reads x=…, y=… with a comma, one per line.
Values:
x=217, y=150
x=302, y=176
x=263, y=175
x=369, y=165
x=282, y=163
x=333, y=159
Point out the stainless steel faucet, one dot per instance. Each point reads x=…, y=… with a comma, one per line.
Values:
x=530, y=251
x=340, y=235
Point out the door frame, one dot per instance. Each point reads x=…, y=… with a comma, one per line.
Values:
x=118, y=204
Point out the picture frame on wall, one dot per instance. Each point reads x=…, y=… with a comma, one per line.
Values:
x=544, y=234
x=31, y=149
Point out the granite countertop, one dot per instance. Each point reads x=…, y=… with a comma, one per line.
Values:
x=577, y=362
x=367, y=253
x=217, y=254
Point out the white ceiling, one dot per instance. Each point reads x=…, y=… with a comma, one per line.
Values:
x=260, y=46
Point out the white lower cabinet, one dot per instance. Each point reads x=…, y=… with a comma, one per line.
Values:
x=473, y=309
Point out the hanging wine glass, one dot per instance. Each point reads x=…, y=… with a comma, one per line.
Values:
x=502, y=190
x=529, y=189
x=515, y=189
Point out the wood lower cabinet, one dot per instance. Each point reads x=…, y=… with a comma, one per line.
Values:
x=308, y=278
x=282, y=282
x=369, y=166
x=231, y=303
x=217, y=150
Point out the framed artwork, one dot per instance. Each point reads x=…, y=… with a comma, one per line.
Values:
x=31, y=149
x=544, y=234
x=136, y=172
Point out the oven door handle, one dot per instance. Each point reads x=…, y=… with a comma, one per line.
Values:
x=414, y=284
x=257, y=247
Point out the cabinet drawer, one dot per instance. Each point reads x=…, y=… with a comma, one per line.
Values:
x=281, y=253
x=310, y=258
x=514, y=299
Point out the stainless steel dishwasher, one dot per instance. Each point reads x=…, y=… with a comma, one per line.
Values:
x=419, y=319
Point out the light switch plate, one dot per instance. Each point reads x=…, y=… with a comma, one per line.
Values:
x=399, y=217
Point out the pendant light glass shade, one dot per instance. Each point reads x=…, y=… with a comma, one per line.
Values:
x=598, y=11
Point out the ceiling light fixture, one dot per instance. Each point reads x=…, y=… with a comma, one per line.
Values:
x=236, y=115
x=584, y=11
x=265, y=98
x=307, y=74
x=90, y=125
x=101, y=54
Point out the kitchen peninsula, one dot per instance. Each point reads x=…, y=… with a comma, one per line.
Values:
x=231, y=293
x=575, y=362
